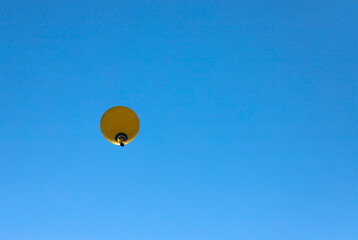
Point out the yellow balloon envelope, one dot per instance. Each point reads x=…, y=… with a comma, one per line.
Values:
x=120, y=125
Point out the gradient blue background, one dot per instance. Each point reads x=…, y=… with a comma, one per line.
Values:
x=248, y=109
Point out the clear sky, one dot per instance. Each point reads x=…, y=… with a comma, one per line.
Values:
x=248, y=110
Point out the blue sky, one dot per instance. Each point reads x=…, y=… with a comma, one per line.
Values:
x=248, y=113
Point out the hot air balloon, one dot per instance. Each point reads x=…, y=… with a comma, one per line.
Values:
x=120, y=125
